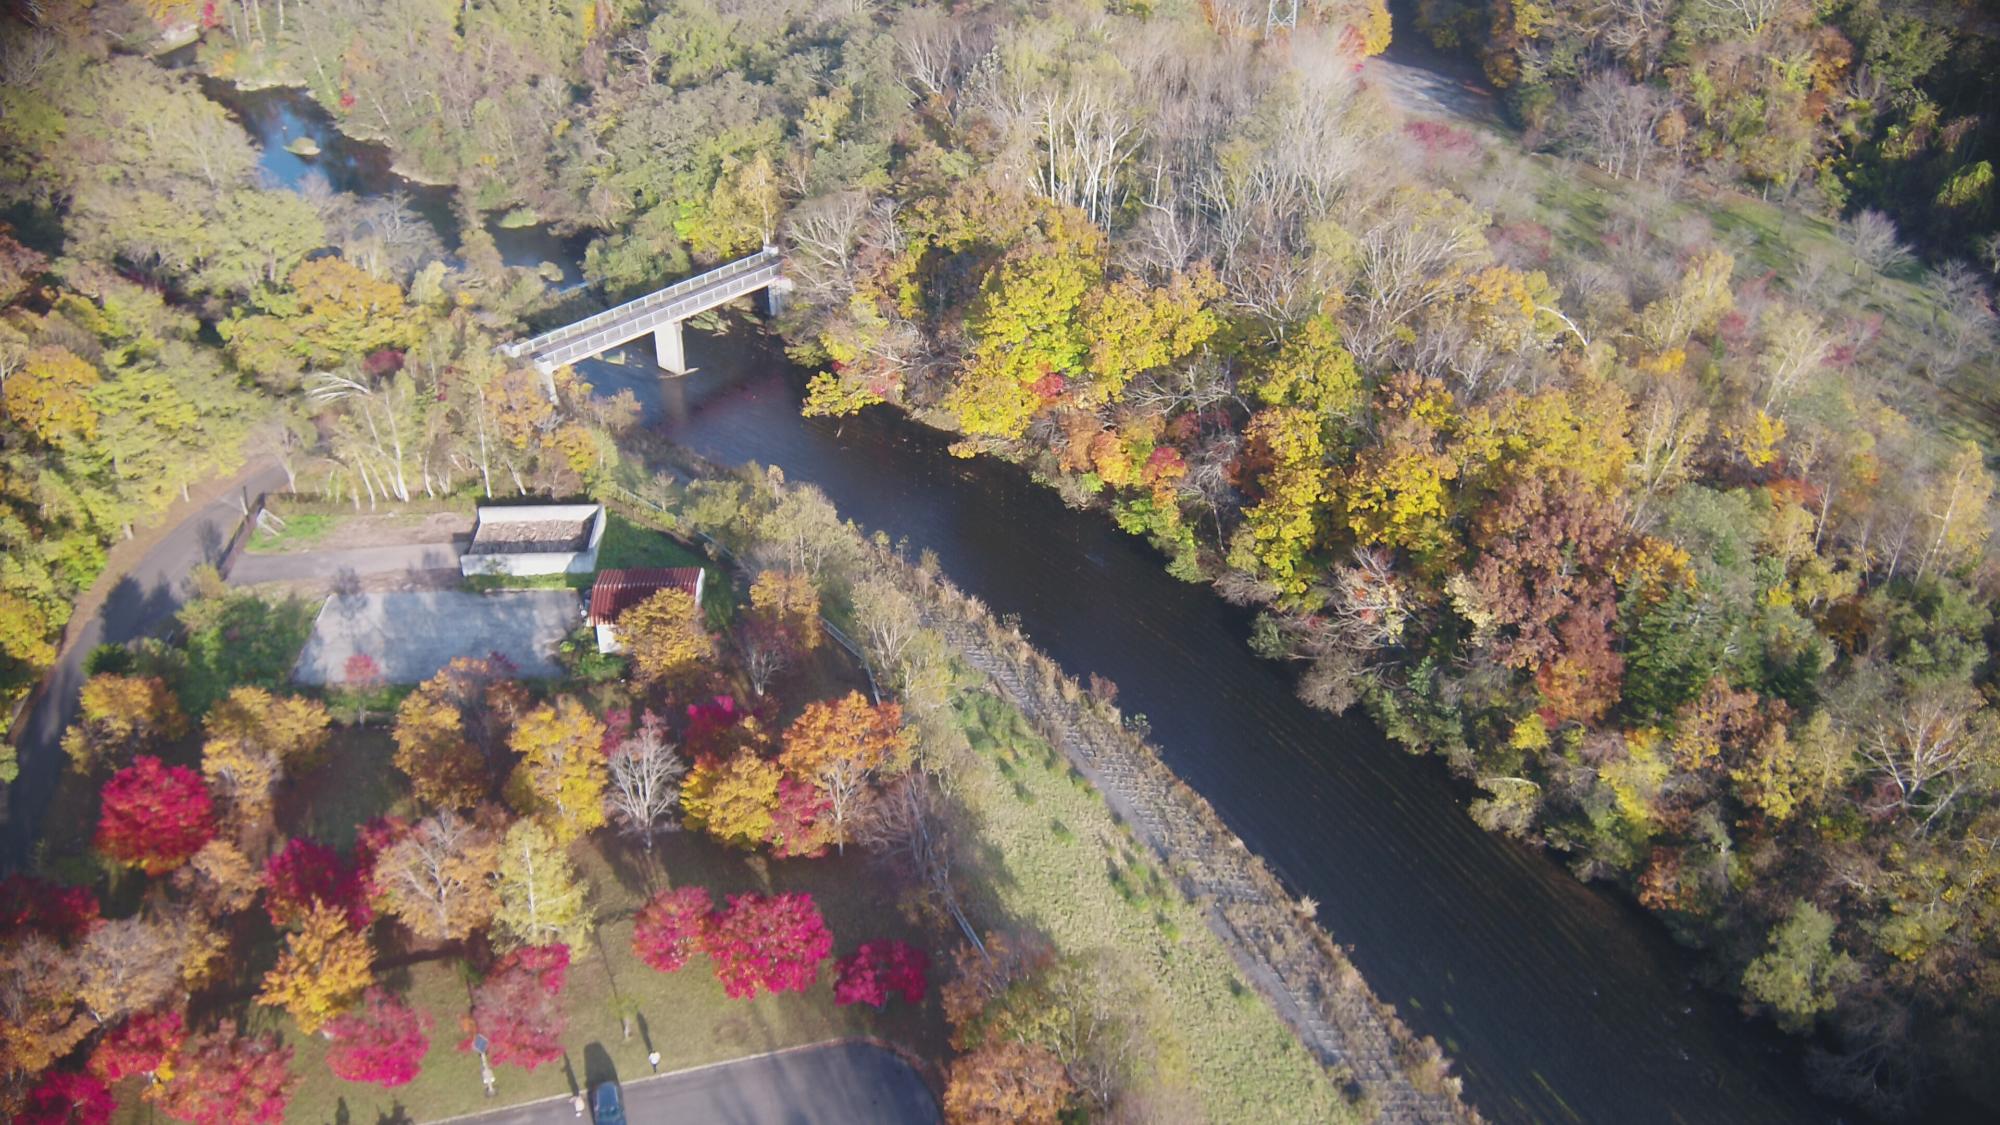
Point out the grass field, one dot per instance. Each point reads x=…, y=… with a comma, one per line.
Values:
x=307, y=529
x=1053, y=858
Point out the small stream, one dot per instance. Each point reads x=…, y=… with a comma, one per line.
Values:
x=1557, y=1000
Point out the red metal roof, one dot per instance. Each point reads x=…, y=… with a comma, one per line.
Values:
x=619, y=590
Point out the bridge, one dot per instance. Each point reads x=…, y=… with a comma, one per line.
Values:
x=659, y=313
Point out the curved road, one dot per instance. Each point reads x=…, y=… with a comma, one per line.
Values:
x=143, y=601
x=828, y=1084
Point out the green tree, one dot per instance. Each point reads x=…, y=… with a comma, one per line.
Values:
x=1800, y=975
x=542, y=901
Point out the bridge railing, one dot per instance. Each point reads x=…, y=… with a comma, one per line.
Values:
x=641, y=321
x=537, y=344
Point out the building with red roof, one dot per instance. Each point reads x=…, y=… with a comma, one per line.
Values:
x=616, y=591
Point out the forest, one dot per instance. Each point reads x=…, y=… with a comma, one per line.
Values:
x=1837, y=106
x=1644, y=476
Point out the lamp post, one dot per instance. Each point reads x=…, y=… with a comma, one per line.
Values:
x=479, y=1044
x=653, y=1060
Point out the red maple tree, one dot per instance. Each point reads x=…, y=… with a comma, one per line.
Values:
x=138, y=1046
x=222, y=1078
x=31, y=903
x=773, y=943
x=308, y=873
x=879, y=970
x=382, y=1040
x=669, y=928
x=517, y=1007
x=799, y=828
x=66, y=1097
x=154, y=815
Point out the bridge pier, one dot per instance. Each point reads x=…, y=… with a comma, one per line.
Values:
x=776, y=295
x=669, y=348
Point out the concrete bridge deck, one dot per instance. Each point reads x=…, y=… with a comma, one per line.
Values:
x=660, y=313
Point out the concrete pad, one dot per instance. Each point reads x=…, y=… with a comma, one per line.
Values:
x=412, y=635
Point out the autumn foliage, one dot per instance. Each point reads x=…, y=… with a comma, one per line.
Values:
x=143, y=1044
x=1007, y=1083
x=307, y=873
x=767, y=943
x=154, y=816
x=670, y=927
x=518, y=1007
x=31, y=903
x=666, y=636
x=880, y=970
x=324, y=966
x=222, y=1078
x=67, y=1097
x=383, y=1040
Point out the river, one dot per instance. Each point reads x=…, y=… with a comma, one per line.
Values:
x=1557, y=1001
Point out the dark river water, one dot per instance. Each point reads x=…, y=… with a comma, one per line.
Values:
x=1557, y=1002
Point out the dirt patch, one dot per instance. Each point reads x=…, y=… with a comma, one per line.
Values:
x=369, y=529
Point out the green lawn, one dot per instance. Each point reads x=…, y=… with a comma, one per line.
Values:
x=306, y=529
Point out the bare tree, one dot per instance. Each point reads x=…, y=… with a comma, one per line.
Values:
x=1795, y=346
x=908, y=826
x=935, y=52
x=889, y=622
x=645, y=782
x=1637, y=30
x=822, y=235
x=1873, y=238
x=126, y=965
x=1962, y=320
x=1929, y=749
x=1615, y=123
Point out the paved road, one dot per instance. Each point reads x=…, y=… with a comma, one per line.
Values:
x=1430, y=83
x=251, y=569
x=836, y=1084
x=143, y=602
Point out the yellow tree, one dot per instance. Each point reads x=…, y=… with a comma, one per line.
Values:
x=324, y=968
x=291, y=728
x=562, y=775
x=244, y=776
x=788, y=601
x=1312, y=370
x=49, y=397
x=39, y=986
x=733, y=801
x=1028, y=327
x=541, y=899
x=839, y=746
x=1134, y=328
x=1282, y=528
x=445, y=770
x=1008, y=1083
x=666, y=636
x=119, y=716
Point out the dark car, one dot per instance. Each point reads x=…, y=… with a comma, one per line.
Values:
x=607, y=1105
